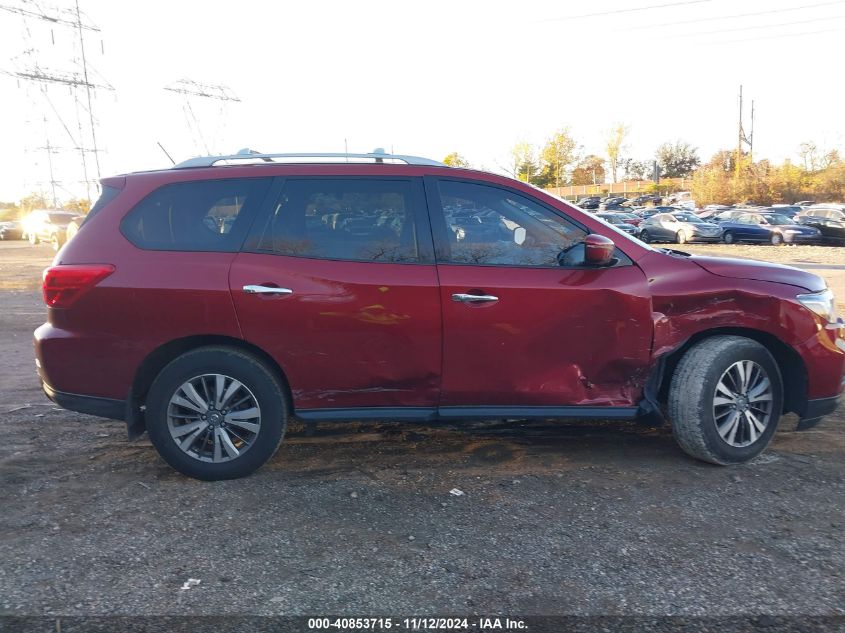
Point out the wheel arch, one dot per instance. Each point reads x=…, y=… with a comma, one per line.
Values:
x=158, y=359
x=792, y=368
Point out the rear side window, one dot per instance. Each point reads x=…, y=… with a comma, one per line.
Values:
x=204, y=215
x=108, y=194
x=353, y=219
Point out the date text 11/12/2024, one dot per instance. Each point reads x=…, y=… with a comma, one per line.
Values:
x=417, y=624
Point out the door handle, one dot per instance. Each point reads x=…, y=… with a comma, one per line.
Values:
x=466, y=298
x=266, y=290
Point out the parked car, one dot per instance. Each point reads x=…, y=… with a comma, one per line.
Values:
x=679, y=227
x=73, y=226
x=724, y=216
x=829, y=220
x=651, y=211
x=643, y=200
x=770, y=228
x=340, y=292
x=712, y=210
x=11, y=230
x=591, y=202
x=789, y=210
x=47, y=225
x=612, y=202
x=629, y=217
x=619, y=223
x=805, y=203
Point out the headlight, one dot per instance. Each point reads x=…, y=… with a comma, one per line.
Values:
x=822, y=303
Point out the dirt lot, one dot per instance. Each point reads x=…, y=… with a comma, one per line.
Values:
x=359, y=519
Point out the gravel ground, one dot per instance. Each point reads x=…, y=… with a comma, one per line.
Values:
x=358, y=519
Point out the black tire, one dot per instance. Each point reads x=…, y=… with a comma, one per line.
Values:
x=692, y=393
x=777, y=239
x=33, y=239
x=269, y=392
x=645, y=237
x=55, y=242
x=728, y=237
x=680, y=237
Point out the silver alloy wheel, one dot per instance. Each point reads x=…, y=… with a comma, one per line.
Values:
x=742, y=403
x=213, y=418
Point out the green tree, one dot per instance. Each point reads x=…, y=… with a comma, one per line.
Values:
x=557, y=156
x=524, y=162
x=677, y=160
x=456, y=160
x=589, y=170
x=615, y=146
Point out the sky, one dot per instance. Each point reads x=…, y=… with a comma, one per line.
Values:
x=426, y=78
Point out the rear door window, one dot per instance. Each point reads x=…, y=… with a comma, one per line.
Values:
x=354, y=219
x=205, y=215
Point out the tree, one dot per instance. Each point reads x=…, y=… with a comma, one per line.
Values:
x=80, y=205
x=637, y=169
x=34, y=201
x=615, y=146
x=589, y=171
x=557, y=155
x=809, y=153
x=677, y=160
x=524, y=162
x=456, y=160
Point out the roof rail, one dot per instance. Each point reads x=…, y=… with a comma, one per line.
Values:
x=247, y=156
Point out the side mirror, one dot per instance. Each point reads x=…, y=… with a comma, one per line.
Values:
x=519, y=235
x=598, y=250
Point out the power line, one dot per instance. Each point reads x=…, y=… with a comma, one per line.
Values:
x=754, y=27
x=630, y=10
x=773, y=37
x=735, y=15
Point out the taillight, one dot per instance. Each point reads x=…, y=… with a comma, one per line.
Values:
x=63, y=285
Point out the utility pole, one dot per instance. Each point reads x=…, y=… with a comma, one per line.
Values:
x=743, y=139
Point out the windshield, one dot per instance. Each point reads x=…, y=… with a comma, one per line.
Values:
x=777, y=219
x=688, y=217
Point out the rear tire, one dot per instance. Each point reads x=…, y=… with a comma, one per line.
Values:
x=710, y=424
x=645, y=237
x=33, y=239
x=210, y=456
x=728, y=237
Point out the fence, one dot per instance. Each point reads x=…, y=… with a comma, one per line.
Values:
x=666, y=185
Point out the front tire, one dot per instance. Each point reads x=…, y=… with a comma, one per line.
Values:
x=33, y=239
x=216, y=413
x=680, y=237
x=777, y=239
x=725, y=400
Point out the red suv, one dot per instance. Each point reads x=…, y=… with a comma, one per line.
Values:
x=210, y=303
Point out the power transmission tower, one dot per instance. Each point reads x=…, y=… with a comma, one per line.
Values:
x=190, y=89
x=32, y=72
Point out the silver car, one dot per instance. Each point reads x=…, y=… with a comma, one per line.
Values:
x=679, y=228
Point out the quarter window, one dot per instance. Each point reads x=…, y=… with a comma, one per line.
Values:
x=205, y=215
x=490, y=225
x=348, y=219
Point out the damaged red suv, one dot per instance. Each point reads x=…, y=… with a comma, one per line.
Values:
x=210, y=303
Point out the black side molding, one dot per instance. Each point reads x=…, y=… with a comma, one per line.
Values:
x=430, y=414
x=92, y=405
